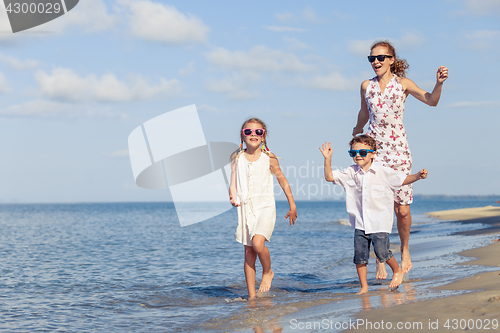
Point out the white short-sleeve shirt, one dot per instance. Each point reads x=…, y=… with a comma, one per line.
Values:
x=370, y=195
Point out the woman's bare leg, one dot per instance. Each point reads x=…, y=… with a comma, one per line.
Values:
x=404, y=226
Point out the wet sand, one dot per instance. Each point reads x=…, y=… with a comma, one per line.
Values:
x=476, y=310
x=489, y=215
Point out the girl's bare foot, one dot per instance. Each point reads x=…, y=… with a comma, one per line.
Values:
x=265, y=285
x=363, y=290
x=397, y=279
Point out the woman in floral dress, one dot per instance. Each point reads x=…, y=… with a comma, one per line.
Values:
x=382, y=103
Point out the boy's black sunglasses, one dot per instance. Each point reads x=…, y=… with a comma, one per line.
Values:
x=379, y=57
x=362, y=152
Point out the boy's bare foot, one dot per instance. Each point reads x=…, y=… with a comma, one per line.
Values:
x=362, y=291
x=405, y=260
x=397, y=279
x=381, y=272
x=265, y=285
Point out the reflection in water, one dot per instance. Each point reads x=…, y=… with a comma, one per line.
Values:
x=263, y=304
x=272, y=326
x=365, y=300
x=388, y=298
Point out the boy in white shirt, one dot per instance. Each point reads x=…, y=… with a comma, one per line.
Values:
x=369, y=190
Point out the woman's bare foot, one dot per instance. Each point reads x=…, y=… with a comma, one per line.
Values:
x=265, y=285
x=363, y=290
x=405, y=260
x=381, y=272
x=397, y=279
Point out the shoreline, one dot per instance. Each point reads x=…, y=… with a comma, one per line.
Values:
x=477, y=305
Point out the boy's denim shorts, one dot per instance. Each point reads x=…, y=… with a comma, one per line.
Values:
x=362, y=242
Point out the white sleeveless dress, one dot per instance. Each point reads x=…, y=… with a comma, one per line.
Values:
x=255, y=193
x=386, y=127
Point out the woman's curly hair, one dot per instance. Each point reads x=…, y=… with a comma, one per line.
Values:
x=399, y=66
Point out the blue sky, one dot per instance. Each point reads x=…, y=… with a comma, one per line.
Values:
x=73, y=89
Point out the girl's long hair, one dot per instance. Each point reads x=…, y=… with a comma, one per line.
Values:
x=399, y=66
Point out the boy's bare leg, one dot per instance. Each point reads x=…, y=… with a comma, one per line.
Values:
x=249, y=268
x=362, y=273
x=381, y=272
x=259, y=246
x=404, y=226
x=397, y=273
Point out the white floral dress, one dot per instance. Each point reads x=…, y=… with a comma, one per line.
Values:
x=386, y=127
x=255, y=193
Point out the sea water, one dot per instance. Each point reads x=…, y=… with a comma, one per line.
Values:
x=131, y=267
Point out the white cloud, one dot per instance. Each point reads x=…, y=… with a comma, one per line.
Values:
x=258, y=59
x=483, y=39
x=64, y=84
x=285, y=17
x=360, y=47
x=307, y=15
x=90, y=15
x=295, y=44
x=4, y=85
x=52, y=109
x=342, y=16
x=283, y=29
x=479, y=105
x=331, y=82
x=483, y=7
x=17, y=64
x=208, y=108
x=189, y=69
x=289, y=114
x=237, y=86
x=163, y=23
x=40, y=108
x=410, y=40
x=310, y=16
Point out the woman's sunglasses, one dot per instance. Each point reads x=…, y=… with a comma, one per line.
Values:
x=249, y=131
x=362, y=152
x=380, y=58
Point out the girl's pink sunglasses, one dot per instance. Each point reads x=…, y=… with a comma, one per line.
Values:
x=249, y=131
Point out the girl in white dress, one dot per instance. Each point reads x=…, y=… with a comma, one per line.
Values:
x=383, y=103
x=252, y=192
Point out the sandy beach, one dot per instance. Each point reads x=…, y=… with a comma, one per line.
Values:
x=476, y=310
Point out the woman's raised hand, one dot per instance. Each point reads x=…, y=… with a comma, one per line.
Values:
x=356, y=131
x=442, y=74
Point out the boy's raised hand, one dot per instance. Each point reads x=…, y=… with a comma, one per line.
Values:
x=326, y=150
x=422, y=174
